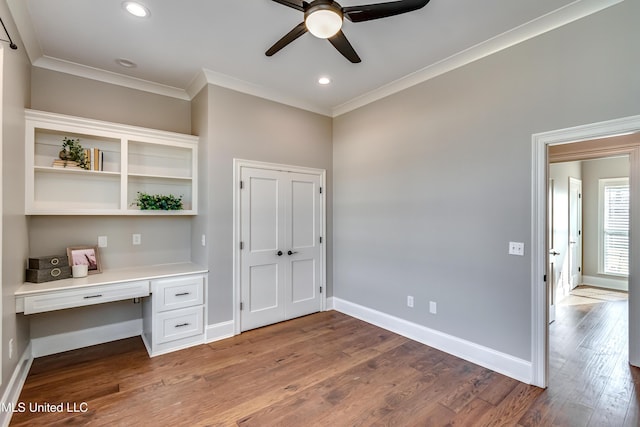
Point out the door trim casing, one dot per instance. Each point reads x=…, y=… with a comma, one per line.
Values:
x=238, y=164
x=540, y=143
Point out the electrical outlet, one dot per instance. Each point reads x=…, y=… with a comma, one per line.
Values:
x=204, y=240
x=102, y=241
x=409, y=301
x=136, y=239
x=516, y=248
x=433, y=307
x=11, y=348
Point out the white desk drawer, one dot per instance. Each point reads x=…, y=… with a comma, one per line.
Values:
x=79, y=297
x=177, y=324
x=171, y=294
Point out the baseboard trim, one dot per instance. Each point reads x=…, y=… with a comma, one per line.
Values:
x=219, y=331
x=14, y=387
x=505, y=364
x=58, y=343
x=607, y=283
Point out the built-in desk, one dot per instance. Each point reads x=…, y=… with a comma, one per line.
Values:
x=173, y=319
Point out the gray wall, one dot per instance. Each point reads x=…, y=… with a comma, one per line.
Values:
x=66, y=94
x=164, y=239
x=592, y=171
x=430, y=184
x=200, y=125
x=560, y=174
x=245, y=127
x=15, y=97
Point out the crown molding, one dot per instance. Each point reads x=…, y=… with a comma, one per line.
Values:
x=545, y=23
x=198, y=83
x=79, y=70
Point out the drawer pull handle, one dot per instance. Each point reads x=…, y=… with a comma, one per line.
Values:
x=93, y=296
x=181, y=294
x=182, y=325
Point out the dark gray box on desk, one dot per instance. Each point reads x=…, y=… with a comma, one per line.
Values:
x=48, y=274
x=47, y=262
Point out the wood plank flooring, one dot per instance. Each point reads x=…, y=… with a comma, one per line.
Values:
x=329, y=369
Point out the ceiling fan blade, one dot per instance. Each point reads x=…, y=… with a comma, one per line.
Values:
x=340, y=42
x=299, y=30
x=293, y=4
x=368, y=12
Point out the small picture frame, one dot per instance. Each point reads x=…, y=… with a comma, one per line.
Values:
x=87, y=255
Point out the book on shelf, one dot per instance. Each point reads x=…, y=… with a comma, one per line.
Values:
x=94, y=158
x=98, y=159
x=68, y=164
x=88, y=158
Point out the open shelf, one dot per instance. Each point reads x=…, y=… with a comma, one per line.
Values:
x=126, y=160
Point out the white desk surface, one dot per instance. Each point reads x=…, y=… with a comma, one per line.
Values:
x=107, y=277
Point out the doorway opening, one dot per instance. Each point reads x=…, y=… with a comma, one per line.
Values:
x=593, y=136
x=587, y=275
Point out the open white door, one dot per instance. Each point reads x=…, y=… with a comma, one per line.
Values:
x=553, y=253
x=575, y=232
x=280, y=256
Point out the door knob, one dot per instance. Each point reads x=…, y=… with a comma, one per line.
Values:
x=279, y=253
x=291, y=253
x=554, y=252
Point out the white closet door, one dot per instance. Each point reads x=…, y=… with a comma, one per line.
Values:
x=262, y=270
x=281, y=215
x=303, y=243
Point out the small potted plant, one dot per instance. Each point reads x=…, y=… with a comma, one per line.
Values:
x=72, y=151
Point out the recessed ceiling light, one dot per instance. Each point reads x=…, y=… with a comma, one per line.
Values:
x=136, y=9
x=125, y=63
x=324, y=81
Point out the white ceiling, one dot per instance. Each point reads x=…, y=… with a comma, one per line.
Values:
x=185, y=44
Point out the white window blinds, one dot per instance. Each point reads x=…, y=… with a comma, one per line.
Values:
x=615, y=226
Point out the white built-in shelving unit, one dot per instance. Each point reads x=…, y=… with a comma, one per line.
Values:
x=134, y=159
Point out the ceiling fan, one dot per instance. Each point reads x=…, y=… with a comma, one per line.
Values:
x=324, y=18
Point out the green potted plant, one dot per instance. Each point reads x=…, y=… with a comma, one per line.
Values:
x=158, y=202
x=73, y=151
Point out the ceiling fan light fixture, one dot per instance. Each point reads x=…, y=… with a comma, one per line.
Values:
x=323, y=23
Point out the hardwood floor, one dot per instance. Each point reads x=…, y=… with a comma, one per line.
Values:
x=329, y=369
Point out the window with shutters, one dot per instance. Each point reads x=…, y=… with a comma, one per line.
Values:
x=614, y=226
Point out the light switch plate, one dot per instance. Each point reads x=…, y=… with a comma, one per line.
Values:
x=516, y=248
x=136, y=239
x=433, y=307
